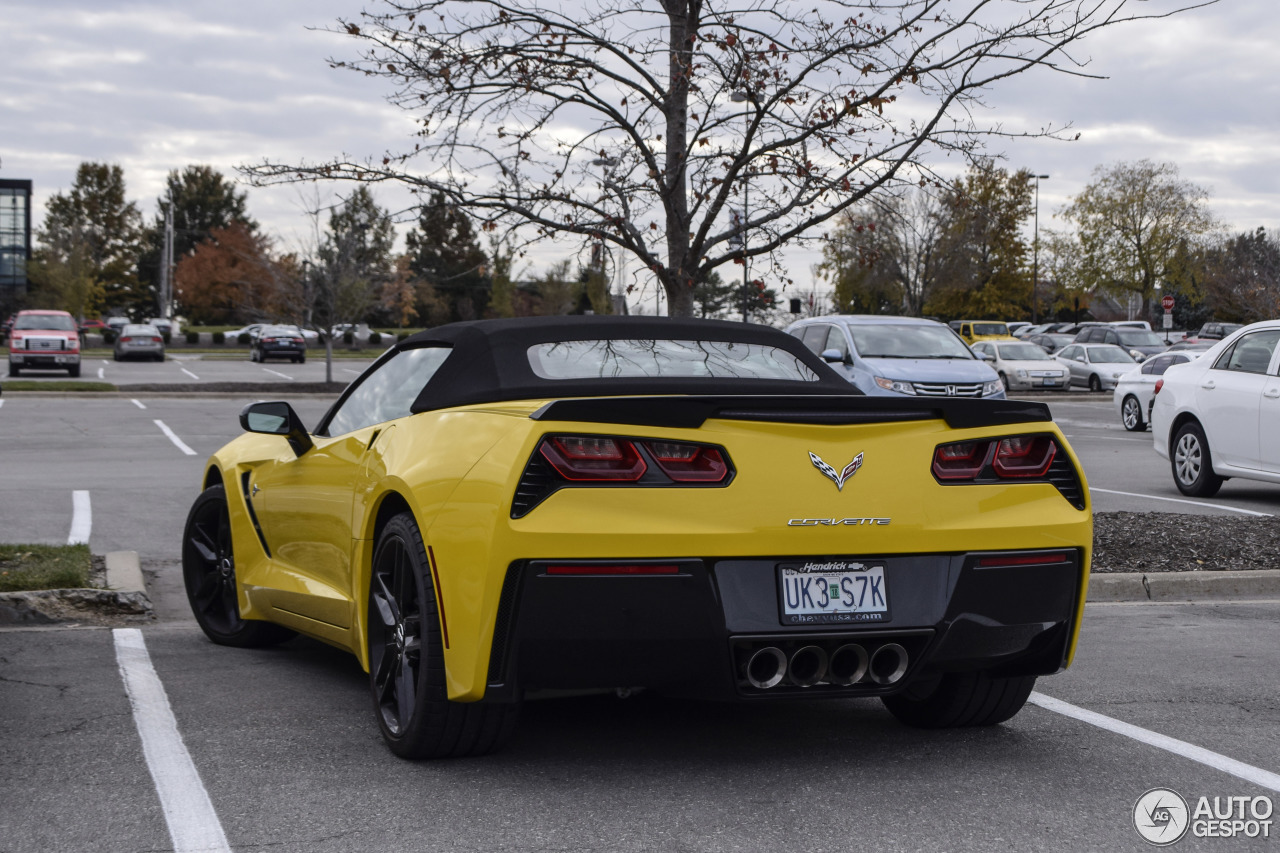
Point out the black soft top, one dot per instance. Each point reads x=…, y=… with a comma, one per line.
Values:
x=490, y=360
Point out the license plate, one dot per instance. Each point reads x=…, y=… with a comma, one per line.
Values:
x=832, y=592
x=1050, y=382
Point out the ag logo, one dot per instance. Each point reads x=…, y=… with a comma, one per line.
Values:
x=841, y=478
x=1161, y=816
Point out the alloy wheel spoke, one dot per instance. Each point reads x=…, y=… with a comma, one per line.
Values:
x=384, y=675
x=204, y=544
x=405, y=692
x=384, y=599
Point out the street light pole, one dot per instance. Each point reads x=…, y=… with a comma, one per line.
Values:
x=740, y=96
x=1035, y=253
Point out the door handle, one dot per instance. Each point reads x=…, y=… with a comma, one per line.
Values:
x=1271, y=392
x=1210, y=385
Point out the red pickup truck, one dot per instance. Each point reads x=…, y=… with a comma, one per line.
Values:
x=47, y=340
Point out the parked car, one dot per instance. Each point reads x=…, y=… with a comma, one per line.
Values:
x=983, y=330
x=139, y=340
x=594, y=502
x=1023, y=366
x=278, y=342
x=1097, y=367
x=1214, y=332
x=96, y=327
x=44, y=340
x=1192, y=346
x=1139, y=343
x=1218, y=416
x=1131, y=324
x=1017, y=327
x=893, y=356
x=1136, y=389
x=1050, y=342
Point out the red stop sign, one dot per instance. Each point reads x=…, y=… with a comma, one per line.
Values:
x=1167, y=302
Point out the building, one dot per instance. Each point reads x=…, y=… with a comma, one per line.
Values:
x=15, y=240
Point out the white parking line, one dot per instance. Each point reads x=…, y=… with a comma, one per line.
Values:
x=189, y=373
x=1, y=403
x=174, y=438
x=277, y=373
x=1247, y=772
x=101, y=372
x=349, y=370
x=1182, y=501
x=138, y=404
x=188, y=811
x=104, y=361
x=81, y=519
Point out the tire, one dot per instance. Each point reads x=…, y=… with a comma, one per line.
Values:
x=115, y=356
x=1004, y=380
x=960, y=699
x=302, y=359
x=1095, y=384
x=406, y=659
x=208, y=572
x=1192, y=463
x=74, y=372
x=1131, y=414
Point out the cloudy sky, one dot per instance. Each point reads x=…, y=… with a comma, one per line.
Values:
x=155, y=85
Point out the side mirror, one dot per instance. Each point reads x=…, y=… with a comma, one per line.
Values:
x=832, y=356
x=984, y=356
x=277, y=418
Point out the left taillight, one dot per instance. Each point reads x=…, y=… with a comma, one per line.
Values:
x=569, y=461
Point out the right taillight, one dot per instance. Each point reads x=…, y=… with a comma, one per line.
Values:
x=1016, y=457
x=688, y=463
x=1159, y=385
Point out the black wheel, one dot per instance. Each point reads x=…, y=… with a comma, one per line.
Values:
x=1095, y=384
x=1192, y=464
x=958, y=699
x=73, y=372
x=1004, y=380
x=301, y=359
x=406, y=659
x=209, y=572
x=1131, y=414
x=115, y=356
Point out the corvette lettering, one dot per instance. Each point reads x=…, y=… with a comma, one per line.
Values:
x=834, y=522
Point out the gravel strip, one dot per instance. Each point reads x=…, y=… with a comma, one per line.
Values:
x=1164, y=542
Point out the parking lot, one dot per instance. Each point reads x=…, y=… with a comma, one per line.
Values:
x=284, y=752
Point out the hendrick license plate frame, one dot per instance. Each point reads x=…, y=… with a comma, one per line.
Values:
x=832, y=592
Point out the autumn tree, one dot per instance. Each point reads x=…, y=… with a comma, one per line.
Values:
x=446, y=253
x=94, y=228
x=984, y=262
x=203, y=200
x=1240, y=278
x=648, y=124
x=232, y=277
x=1128, y=231
x=63, y=276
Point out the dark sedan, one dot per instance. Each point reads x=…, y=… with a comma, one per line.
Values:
x=278, y=342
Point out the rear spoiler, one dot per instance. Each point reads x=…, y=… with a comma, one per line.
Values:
x=688, y=412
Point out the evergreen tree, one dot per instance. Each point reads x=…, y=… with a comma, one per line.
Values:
x=446, y=254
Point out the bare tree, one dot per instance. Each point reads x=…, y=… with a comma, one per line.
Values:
x=657, y=126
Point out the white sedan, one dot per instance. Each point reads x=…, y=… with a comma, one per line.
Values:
x=1022, y=366
x=1218, y=416
x=1097, y=367
x=1135, y=389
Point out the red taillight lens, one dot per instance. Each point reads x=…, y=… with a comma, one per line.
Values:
x=688, y=463
x=962, y=461
x=296, y=340
x=1022, y=560
x=594, y=458
x=126, y=340
x=1159, y=385
x=268, y=340
x=157, y=340
x=1024, y=456
x=613, y=570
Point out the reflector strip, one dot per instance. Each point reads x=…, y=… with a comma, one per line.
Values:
x=613, y=570
x=1022, y=560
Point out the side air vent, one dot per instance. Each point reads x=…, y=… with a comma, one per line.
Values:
x=539, y=481
x=253, y=516
x=1064, y=478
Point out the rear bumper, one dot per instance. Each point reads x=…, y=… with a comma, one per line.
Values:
x=692, y=633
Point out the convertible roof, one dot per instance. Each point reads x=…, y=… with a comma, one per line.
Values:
x=490, y=360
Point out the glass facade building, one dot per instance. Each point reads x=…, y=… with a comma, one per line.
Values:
x=15, y=238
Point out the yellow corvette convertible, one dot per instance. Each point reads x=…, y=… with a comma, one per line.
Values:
x=697, y=507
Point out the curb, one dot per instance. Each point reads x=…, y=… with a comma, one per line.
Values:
x=126, y=595
x=1184, y=586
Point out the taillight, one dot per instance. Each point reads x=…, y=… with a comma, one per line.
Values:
x=594, y=458
x=128, y=339
x=296, y=340
x=1041, y=559
x=1019, y=457
x=1159, y=385
x=157, y=340
x=268, y=340
x=962, y=461
x=688, y=463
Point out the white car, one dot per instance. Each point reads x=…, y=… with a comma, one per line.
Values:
x=1097, y=367
x=1218, y=416
x=1136, y=389
x=1022, y=366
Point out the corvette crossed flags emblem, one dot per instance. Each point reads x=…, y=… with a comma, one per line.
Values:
x=838, y=478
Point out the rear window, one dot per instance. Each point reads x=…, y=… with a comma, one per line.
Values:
x=671, y=359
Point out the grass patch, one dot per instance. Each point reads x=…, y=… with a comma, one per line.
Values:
x=25, y=567
x=68, y=385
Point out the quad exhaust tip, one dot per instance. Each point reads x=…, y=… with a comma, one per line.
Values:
x=766, y=668
x=848, y=664
x=888, y=664
x=808, y=666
